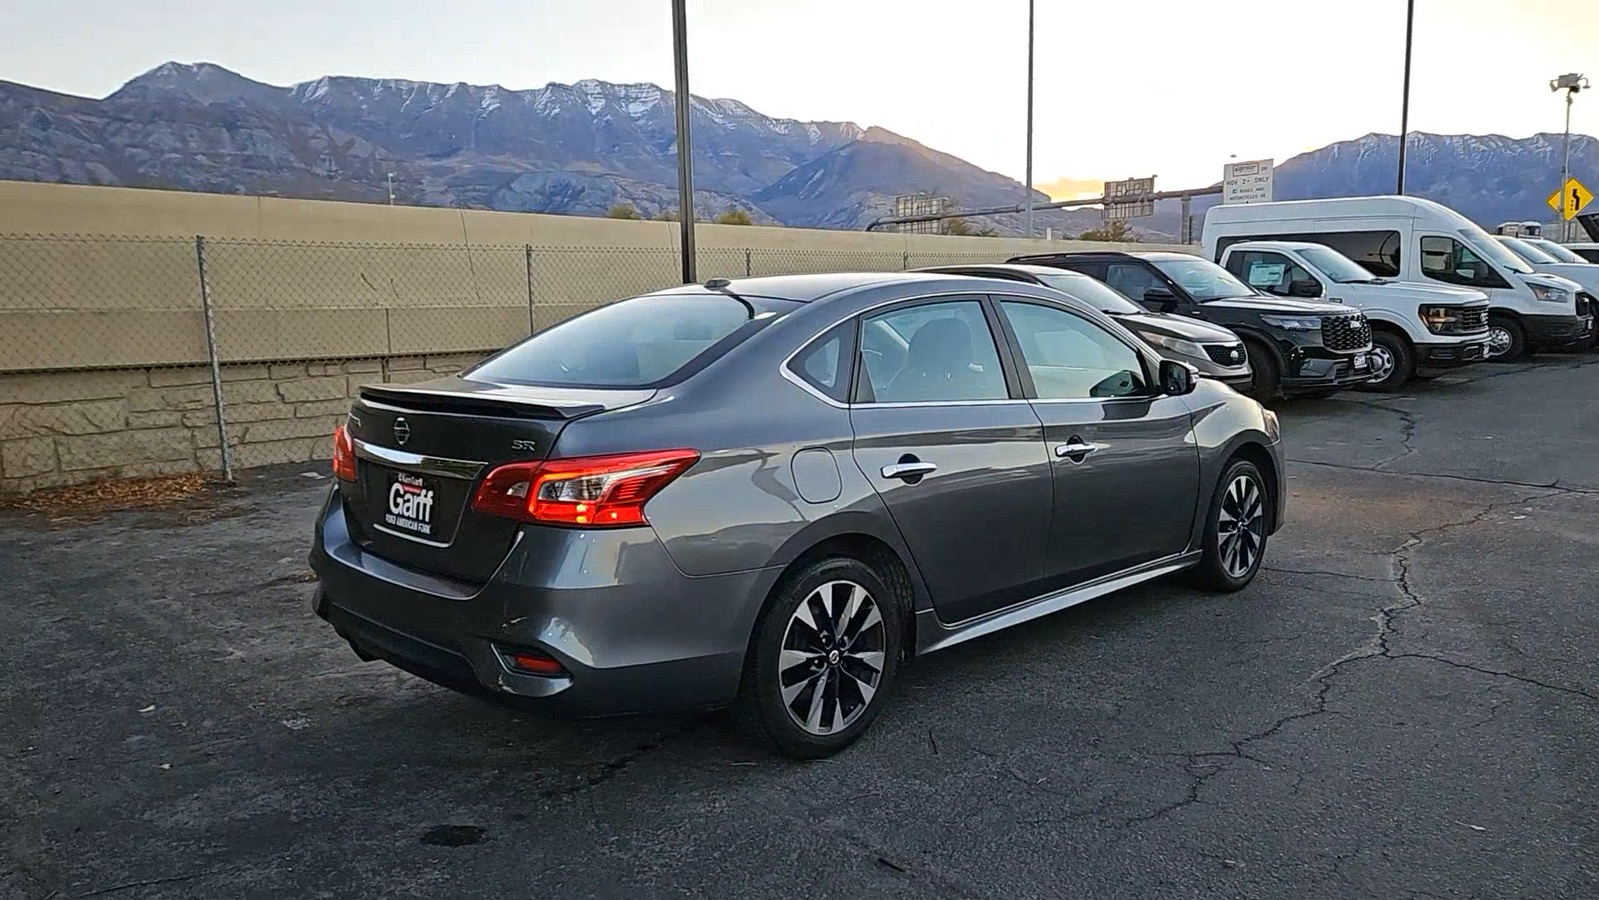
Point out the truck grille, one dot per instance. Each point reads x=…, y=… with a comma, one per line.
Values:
x=1345, y=333
x=1225, y=354
x=1473, y=320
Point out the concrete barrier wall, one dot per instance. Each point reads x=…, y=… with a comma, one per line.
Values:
x=104, y=367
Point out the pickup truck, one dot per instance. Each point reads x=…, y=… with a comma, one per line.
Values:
x=1416, y=330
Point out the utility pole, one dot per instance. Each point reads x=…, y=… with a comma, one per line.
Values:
x=1029, y=118
x=1572, y=84
x=685, y=152
x=1404, y=112
x=391, y=188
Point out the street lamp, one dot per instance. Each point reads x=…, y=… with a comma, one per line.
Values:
x=1572, y=84
x=391, y=188
x=685, y=154
x=1404, y=110
x=1029, y=186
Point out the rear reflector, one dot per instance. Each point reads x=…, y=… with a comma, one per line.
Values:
x=534, y=663
x=343, y=454
x=588, y=492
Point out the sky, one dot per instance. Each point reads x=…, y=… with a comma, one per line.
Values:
x=1171, y=88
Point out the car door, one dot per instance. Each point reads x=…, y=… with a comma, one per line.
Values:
x=1125, y=463
x=955, y=452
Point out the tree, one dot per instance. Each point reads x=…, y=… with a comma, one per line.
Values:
x=961, y=226
x=1112, y=230
x=666, y=215
x=734, y=217
x=623, y=211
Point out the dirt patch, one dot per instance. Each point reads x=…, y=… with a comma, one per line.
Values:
x=181, y=498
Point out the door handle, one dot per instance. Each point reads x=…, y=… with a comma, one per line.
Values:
x=1076, y=450
x=909, y=470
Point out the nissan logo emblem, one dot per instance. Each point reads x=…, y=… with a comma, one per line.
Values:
x=402, y=431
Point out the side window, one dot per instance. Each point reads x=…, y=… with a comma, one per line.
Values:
x=1132, y=279
x=824, y=364
x=1376, y=251
x=929, y=353
x=1071, y=358
x=1448, y=260
x=1270, y=272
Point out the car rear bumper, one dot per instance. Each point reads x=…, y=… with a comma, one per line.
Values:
x=630, y=631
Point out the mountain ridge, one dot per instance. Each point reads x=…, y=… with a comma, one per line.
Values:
x=581, y=148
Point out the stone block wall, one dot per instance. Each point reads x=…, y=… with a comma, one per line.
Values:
x=65, y=428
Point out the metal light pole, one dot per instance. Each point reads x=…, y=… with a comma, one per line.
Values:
x=1572, y=84
x=1404, y=111
x=391, y=188
x=1029, y=118
x=685, y=152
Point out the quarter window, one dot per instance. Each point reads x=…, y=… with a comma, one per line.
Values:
x=1448, y=260
x=1071, y=358
x=932, y=352
x=824, y=364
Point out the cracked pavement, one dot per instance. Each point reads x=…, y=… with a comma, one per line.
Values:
x=1404, y=704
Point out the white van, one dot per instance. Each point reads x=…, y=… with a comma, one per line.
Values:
x=1416, y=329
x=1418, y=241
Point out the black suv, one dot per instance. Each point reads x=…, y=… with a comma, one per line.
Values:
x=1297, y=348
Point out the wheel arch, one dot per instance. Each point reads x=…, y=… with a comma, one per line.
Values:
x=1257, y=454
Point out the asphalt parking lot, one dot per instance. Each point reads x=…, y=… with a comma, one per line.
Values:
x=1406, y=704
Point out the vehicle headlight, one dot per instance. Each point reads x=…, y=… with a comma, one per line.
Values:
x=1549, y=294
x=1273, y=430
x=1174, y=344
x=1440, y=319
x=1294, y=323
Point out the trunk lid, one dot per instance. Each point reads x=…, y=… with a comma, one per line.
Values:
x=421, y=450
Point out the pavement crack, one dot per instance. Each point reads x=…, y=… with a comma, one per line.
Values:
x=1576, y=692
x=151, y=882
x=1407, y=431
x=1324, y=574
x=1555, y=486
x=611, y=768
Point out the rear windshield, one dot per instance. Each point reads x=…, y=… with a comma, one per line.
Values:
x=643, y=342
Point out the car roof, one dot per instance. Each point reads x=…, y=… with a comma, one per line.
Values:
x=805, y=288
x=980, y=268
x=1106, y=254
x=1290, y=245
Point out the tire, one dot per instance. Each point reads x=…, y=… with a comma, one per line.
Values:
x=1393, y=363
x=1220, y=570
x=1265, y=383
x=1506, y=332
x=778, y=703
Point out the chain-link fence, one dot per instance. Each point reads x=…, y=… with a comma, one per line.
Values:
x=133, y=356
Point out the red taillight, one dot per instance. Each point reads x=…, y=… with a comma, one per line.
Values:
x=589, y=491
x=535, y=663
x=343, y=454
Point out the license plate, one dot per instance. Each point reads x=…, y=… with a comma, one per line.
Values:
x=1361, y=363
x=409, y=503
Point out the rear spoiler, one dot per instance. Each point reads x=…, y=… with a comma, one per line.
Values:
x=469, y=402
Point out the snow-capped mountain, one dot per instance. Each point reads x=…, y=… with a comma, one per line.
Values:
x=565, y=148
x=581, y=148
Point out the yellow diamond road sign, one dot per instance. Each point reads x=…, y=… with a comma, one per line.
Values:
x=1571, y=199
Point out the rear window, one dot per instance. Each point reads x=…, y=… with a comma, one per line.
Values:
x=643, y=342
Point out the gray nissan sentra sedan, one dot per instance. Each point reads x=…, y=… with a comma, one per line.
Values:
x=767, y=493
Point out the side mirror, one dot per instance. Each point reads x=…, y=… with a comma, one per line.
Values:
x=1160, y=298
x=1177, y=378
x=1306, y=288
